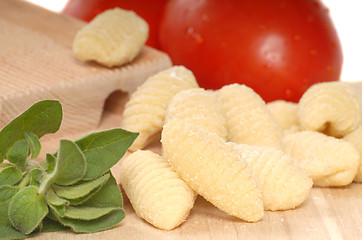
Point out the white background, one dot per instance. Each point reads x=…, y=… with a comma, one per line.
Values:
x=347, y=18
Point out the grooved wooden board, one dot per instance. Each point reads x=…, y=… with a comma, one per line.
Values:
x=37, y=63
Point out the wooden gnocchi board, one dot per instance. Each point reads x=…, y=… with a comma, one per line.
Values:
x=26, y=77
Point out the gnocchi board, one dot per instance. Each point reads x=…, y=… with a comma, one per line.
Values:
x=328, y=213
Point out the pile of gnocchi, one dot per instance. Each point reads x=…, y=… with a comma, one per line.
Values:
x=239, y=153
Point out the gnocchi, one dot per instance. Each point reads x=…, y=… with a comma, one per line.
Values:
x=156, y=192
x=113, y=38
x=212, y=169
x=247, y=118
x=355, y=138
x=146, y=110
x=330, y=107
x=284, y=113
x=327, y=160
x=200, y=108
x=283, y=184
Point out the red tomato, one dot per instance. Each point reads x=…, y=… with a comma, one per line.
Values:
x=151, y=11
x=277, y=47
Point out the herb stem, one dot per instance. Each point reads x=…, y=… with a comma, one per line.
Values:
x=46, y=181
x=25, y=181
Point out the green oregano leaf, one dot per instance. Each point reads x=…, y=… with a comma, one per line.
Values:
x=50, y=163
x=80, y=200
x=108, y=196
x=4, y=165
x=6, y=229
x=10, y=176
x=34, y=144
x=104, y=149
x=18, y=153
x=79, y=190
x=6, y=193
x=70, y=164
x=27, y=209
x=41, y=118
x=50, y=225
x=58, y=211
x=52, y=198
x=88, y=226
x=36, y=174
x=87, y=213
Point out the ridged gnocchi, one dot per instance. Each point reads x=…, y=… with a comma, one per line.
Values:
x=200, y=108
x=327, y=160
x=146, y=110
x=283, y=184
x=247, y=119
x=355, y=138
x=211, y=168
x=284, y=113
x=113, y=38
x=331, y=107
x=155, y=190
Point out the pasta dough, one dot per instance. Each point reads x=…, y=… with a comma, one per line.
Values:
x=355, y=138
x=200, y=108
x=146, y=110
x=113, y=38
x=211, y=168
x=247, y=118
x=284, y=113
x=327, y=160
x=155, y=191
x=331, y=107
x=283, y=184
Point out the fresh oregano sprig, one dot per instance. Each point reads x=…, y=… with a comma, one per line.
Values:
x=71, y=188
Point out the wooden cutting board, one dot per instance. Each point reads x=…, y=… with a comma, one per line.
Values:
x=37, y=63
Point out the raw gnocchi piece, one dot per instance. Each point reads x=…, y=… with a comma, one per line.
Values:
x=156, y=192
x=355, y=138
x=247, y=118
x=200, y=108
x=331, y=107
x=113, y=38
x=327, y=160
x=283, y=184
x=284, y=113
x=146, y=110
x=212, y=169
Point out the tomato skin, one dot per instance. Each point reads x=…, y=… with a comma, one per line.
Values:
x=277, y=47
x=151, y=11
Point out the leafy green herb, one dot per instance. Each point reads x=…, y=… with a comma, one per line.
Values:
x=41, y=118
x=34, y=144
x=87, y=213
x=49, y=163
x=27, y=209
x=10, y=176
x=50, y=225
x=79, y=190
x=72, y=188
x=94, y=225
x=70, y=164
x=104, y=149
x=53, y=199
x=18, y=153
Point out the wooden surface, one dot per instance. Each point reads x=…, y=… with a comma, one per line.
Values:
x=37, y=63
